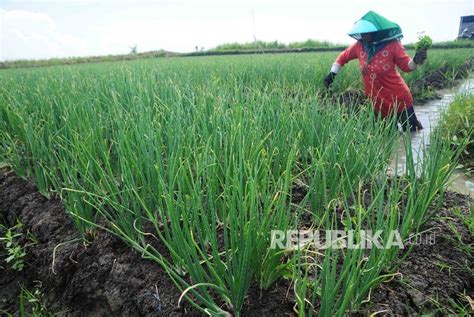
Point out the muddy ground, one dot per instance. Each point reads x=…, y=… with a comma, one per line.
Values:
x=107, y=278
x=437, y=273
x=102, y=278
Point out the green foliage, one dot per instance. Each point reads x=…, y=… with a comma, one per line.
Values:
x=202, y=153
x=249, y=46
x=468, y=220
x=313, y=43
x=23, y=63
x=448, y=44
x=344, y=277
x=256, y=45
x=457, y=125
x=15, y=252
x=32, y=304
x=424, y=43
x=227, y=48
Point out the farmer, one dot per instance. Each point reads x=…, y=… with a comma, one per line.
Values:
x=379, y=51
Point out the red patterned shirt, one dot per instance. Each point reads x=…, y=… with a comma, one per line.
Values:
x=383, y=83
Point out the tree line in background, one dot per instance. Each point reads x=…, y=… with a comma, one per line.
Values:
x=309, y=45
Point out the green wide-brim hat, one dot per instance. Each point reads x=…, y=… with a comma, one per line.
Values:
x=373, y=22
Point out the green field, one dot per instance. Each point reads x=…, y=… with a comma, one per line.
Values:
x=203, y=153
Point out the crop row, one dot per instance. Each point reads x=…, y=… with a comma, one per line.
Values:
x=202, y=156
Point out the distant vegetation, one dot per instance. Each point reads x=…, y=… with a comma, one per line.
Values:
x=257, y=45
x=223, y=49
x=82, y=60
x=315, y=44
x=448, y=44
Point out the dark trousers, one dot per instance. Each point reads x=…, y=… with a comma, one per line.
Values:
x=408, y=121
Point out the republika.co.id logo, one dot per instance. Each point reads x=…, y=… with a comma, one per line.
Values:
x=340, y=239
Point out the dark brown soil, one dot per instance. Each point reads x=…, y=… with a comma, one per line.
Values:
x=438, y=269
x=103, y=278
x=277, y=301
x=350, y=97
x=107, y=278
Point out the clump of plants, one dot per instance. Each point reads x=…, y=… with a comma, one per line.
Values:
x=32, y=303
x=14, y=251
x=458, y=125
x=424, y=43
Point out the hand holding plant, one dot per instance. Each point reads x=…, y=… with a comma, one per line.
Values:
x=424, y=43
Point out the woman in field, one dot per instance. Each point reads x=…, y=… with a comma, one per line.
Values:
x=379, y=52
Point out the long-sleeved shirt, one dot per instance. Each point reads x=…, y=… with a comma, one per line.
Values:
x=383, y=83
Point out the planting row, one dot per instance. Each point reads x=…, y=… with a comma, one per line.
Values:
x=203, y=156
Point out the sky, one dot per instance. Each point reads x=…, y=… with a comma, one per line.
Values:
x=45, y=29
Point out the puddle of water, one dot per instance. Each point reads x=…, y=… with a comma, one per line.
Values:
x=461, y=183
x=429, y=115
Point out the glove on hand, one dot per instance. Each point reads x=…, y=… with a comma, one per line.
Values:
x=420, y=57
x=329, y=79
